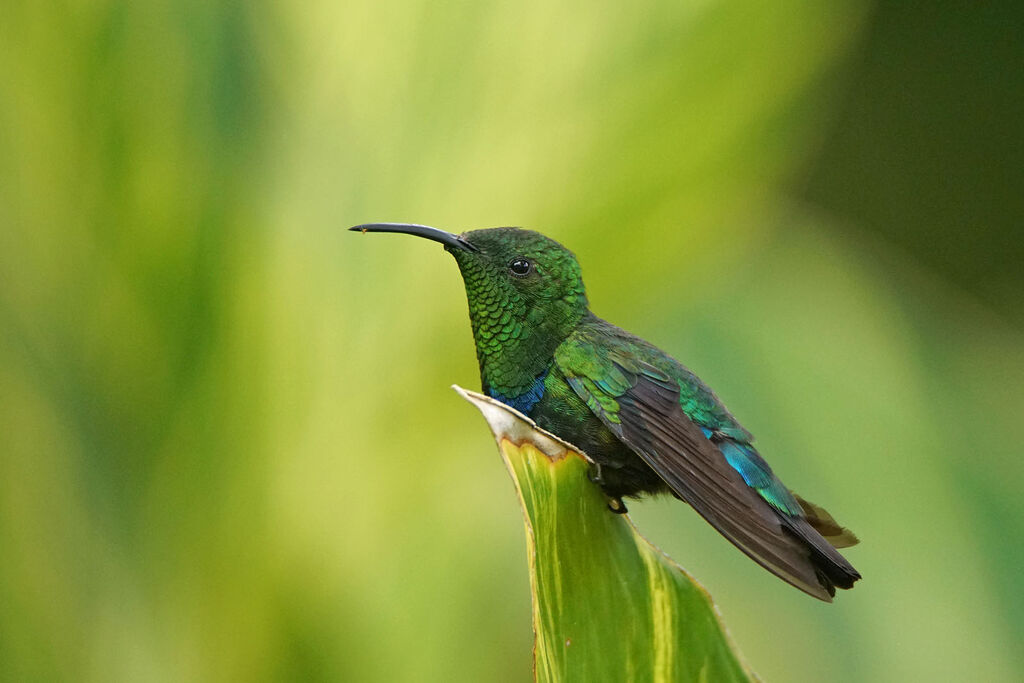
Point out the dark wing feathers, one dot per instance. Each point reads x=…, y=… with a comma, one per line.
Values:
x=640, y=405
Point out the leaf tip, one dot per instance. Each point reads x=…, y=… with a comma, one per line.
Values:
x=508, y=424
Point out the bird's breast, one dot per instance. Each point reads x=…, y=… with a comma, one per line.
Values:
x=523, y=401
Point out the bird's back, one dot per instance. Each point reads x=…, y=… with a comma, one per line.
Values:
x=655, y=417
x=562, y=411
x=697, y=400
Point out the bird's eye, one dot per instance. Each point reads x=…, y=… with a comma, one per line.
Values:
x=520, y=267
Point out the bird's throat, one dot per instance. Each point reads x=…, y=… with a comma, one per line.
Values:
x=514, y=347
x=515, y=336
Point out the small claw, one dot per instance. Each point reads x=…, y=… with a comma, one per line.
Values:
x=617, y=506
x=594, y=474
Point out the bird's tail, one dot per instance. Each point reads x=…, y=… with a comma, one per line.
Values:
x=822, y=534
x=826, y=525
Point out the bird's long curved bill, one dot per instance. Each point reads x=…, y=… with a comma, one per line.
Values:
x=445, y=238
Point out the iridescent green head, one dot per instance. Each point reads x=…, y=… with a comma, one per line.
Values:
x=524, y=270
x=525, y=296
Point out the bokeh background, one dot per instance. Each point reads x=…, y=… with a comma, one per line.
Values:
x=228, y=449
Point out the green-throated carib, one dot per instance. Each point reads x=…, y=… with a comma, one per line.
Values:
x=648, y=422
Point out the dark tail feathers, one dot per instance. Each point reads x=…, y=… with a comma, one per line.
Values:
x=823, y=535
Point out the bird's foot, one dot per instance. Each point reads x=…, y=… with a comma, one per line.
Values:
x=617, y=506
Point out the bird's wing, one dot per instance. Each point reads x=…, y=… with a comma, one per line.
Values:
x=640, y=405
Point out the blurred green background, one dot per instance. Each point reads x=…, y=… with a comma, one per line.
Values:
x=228, y=449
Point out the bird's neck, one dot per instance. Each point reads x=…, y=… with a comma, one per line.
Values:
x=515, y=343
x=516, y=332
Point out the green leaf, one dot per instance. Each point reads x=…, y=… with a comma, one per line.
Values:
x=607, y=605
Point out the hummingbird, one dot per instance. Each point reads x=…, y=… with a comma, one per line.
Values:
x=648, y=424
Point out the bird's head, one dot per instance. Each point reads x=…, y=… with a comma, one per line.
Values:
x=520, y=265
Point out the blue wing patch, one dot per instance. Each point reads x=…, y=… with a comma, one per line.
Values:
x=756, y=474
